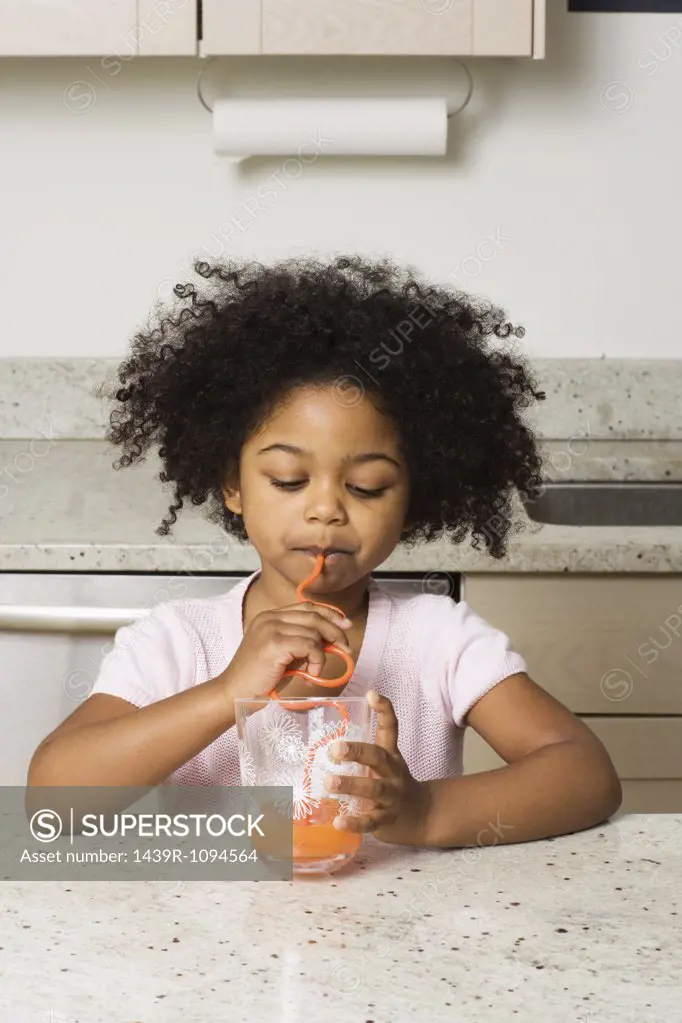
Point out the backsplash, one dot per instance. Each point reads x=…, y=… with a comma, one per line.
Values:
x=595, y=399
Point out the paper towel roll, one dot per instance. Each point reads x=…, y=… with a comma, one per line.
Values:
x=330, y=127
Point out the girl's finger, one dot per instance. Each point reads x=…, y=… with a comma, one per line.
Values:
x=356, y=824
x=325, y=626
x=387, y=723
x=382, y=793
x=288, y=629
x=295, y=648
x=367, y=753
x=363, y=822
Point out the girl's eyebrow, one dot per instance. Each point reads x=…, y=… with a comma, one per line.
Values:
x=367, y=456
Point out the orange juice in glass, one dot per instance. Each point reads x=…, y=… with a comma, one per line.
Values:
x=287, y=744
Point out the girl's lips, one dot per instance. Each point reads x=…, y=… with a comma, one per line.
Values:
x=327, y=558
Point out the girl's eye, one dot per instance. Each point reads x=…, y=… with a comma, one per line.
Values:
x=284, y=485
x=363, y=492
x=291, y=485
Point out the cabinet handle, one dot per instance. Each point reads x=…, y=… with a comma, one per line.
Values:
x=72, y=619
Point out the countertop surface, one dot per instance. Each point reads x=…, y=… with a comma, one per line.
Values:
x=585, y=928
x=64, y=508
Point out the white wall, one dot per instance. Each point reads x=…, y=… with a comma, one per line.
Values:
x=102, y=210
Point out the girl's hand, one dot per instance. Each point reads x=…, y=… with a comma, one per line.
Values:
x=277, y=638
x=401, y=804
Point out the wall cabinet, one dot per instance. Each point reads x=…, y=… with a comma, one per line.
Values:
x=609, y=647
x=66, y=28
x=388, y=27
x=45, y=28
x=486, y=28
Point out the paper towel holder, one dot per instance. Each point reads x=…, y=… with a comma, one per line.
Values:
x=451, y=113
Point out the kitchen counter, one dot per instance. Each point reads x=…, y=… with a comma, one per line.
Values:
x=64, y=508
x=585, y=927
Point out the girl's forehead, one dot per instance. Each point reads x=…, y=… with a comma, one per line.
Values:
x=317, y=424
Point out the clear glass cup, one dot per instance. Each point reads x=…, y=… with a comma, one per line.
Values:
x=287, y=743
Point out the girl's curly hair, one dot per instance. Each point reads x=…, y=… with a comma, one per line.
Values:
x=211, y=372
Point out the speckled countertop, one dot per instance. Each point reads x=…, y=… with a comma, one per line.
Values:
x=64, y=508
x=584, y=928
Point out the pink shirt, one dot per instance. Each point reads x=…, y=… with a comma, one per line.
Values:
x=432, y=657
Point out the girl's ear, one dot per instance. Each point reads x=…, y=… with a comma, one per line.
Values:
x=232, y=498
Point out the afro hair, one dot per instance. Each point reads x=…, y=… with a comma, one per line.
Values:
x=439, y=363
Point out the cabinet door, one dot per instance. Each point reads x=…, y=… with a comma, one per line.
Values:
x=167, y=28
x=231, y=26
x=601, y=644
x=389, y=27
x=646, y=748
x=368, y=26
x=503, y=28
x=652, y=796
x=49, y=654
x=45, y=28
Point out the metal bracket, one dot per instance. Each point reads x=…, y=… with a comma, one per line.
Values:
x=451, y=114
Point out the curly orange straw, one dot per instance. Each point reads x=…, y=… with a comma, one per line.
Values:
x=317, y=680
x=329, y=683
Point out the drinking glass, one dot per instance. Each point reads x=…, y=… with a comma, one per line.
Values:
x=287, y=743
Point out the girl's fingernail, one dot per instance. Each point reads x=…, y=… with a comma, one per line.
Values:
x=339, y=749
x=346, y=623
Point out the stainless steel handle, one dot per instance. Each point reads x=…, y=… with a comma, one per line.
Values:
x=44, y=618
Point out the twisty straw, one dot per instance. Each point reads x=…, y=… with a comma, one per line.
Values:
x=329, y=683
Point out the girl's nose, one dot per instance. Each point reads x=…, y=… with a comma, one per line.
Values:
x=325, y=503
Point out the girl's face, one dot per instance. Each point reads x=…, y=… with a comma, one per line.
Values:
x=321, y=474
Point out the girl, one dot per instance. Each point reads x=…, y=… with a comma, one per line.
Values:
x=343, y=407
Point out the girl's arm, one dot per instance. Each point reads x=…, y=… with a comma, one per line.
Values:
x=558, y=777
x=109, y=741
x=112, y=741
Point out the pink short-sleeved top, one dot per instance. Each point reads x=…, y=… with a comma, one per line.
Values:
x=434, y=658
